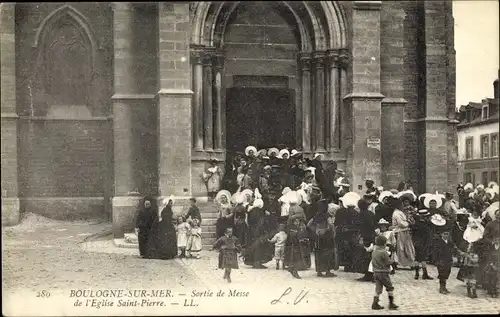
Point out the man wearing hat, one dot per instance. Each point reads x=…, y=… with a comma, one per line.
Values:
x=422, y=241
x=370, y=186
x=372, y=203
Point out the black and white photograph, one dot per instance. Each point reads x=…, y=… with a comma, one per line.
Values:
x=186, y=158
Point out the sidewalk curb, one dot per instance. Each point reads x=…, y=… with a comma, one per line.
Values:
x=97, y=235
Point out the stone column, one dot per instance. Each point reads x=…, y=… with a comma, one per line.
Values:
x=218, y=131
x=436, y=118
x=305, y=65
x=319, y=101
x=123, y=206
x=392, y=142
x=174, y=103
x=208, y=127
x=344, y=111
x=197, y=58
x=333, y=98
x=10, y=200
x=365, y=99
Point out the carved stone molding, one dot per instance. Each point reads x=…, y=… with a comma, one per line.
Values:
x=305, y=61
x=319, y=59
x=344, y=58
x=219, y=58
x=332, y=58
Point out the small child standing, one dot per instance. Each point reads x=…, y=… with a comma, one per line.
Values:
x=468, y=268
x=391, y=242
x=444, y=249
x=228, y=254
x=381, y=268
x=194, y=241
x=474, y=229
x=182, y=229
x=279, y=241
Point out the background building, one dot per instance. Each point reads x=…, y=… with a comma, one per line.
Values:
x=478, y=140
x=101, y=99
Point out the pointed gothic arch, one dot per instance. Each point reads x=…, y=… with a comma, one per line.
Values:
x=63, y=33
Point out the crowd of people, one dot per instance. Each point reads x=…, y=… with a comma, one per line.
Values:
x=278, y=204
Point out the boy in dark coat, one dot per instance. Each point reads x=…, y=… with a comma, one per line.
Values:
x=444, y=250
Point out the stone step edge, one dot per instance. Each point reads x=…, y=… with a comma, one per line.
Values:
x=121, y=243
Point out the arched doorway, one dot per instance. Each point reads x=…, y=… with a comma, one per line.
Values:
x=261, y=44
x=268, y=73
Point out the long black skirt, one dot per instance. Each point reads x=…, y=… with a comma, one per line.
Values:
x=142, y=238
x=222, y=224
x=162, y=241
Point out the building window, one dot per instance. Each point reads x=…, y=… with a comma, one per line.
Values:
x=485, y=146
x=468, y=148
x=469, y=178
x=494, y=145
x=485, y=178
x=494, y=176
x=486, y=112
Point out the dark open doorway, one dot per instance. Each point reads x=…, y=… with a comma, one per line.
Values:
x=263, y=117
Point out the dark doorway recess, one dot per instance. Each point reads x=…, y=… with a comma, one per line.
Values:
x=263, y=117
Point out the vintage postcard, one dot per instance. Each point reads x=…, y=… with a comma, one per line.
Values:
x=249, y=158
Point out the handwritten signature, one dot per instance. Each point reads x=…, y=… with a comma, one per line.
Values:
x=296, y=300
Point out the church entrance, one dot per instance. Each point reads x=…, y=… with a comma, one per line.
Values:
x=262, y=117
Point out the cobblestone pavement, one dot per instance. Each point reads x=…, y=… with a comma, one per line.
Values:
x=50, y=257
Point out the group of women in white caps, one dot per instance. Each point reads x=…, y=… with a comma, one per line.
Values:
x=309, y=204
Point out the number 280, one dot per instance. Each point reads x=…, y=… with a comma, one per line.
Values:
x=43, y=293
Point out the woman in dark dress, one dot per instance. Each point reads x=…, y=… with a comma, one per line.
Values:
x=162, y=242
x=143, y=224
x=367, y=226
x=348, y=235
x=297, y=245
x=322, y=229
x=422, y=235
x=239, y=225
x=258, y=250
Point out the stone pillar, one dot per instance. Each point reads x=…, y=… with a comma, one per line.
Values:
x=10, y=200
x=333, y=100
x=305, y=65
x=208, y=127
x=344, y=112
x=436, y=107
x=392, y=78
x=218, y=131
x=174, y=103
x=319, y=101
x=197, y=98
x=392, y=142
x=365, y=99
x=453, y=175
x=124, y=207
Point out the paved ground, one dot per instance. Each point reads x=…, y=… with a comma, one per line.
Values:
x=41, y=255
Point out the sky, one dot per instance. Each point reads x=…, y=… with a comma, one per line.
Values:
x=477, y=48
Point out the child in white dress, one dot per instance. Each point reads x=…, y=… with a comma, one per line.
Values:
x=390, y=244
x=182, y=235
x=194, y=240
x=474, y=229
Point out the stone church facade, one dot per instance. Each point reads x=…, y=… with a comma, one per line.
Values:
x=101, y=99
